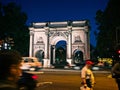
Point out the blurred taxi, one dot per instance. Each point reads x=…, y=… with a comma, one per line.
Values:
x=31, y=64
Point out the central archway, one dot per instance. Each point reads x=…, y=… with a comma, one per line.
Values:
x=60, y=52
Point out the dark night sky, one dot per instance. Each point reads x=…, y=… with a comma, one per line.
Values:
x=62, y=10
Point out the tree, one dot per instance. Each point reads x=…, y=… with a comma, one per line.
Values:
x=13, y=25
x=93, y=53
x=108, y=21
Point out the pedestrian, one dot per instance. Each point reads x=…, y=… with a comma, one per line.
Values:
x=116, y=73
x=10, y=63
x=87, y=76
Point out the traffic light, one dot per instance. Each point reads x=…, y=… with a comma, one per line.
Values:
x=116, y=55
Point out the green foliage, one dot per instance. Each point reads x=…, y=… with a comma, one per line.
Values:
x=108, y=21
x=13, y=24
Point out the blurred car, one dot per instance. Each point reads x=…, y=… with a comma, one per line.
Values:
x=79, y=65
x=27, y=81
x=96, y=68
x=31, y=64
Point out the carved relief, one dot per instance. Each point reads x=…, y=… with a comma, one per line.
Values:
x=58, y=34
x=39, y=44
x=49, y=33
x=40, y=40
x=77, y=38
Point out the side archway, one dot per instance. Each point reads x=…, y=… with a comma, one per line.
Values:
x=77, y=57
x=40, y=55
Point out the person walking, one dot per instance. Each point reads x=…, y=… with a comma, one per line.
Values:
x=87, y=76
x=116, y=73
x=10, y=63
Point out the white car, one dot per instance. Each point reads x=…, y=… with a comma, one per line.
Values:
x=96, y=68
x=31, y=64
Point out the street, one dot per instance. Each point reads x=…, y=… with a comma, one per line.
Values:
x=70, y=80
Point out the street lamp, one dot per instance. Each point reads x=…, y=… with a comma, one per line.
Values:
x=5, y=45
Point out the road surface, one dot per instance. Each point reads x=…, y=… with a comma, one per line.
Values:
x=70, y=80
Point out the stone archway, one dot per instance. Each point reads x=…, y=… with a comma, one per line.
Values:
x=77, y=57
x=58, y=49
x=60, y=53
x=75, y=33
x=40, y=55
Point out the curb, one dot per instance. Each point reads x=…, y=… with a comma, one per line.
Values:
x=66, y=70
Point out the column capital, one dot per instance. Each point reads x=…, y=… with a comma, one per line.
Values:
x=86, y=29
x=46, y=28
x=53, y=46
x=69, y=27
x=31, y=28
x=47, y=31
x=31, y=33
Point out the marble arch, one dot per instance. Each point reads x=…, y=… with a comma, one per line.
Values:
x=43, y=35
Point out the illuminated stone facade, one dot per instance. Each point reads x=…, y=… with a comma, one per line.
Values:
x=43, y=35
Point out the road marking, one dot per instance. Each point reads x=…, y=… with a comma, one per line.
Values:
x=33, y=72
x=44, y=83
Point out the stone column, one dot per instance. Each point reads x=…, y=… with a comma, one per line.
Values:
x=53, y=53
x=69, y=45
x=31, y=42
x=47, y=43
x=47, y=59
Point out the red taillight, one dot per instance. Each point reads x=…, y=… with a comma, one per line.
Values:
x=34, y=77
x=118, y=51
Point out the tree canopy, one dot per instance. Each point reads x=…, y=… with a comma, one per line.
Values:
x=13, y=25
x=108, y=21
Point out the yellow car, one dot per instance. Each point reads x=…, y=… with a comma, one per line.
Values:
x=31, y=64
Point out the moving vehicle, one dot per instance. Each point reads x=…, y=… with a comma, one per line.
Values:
x=31, y=64
x=27, y=81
